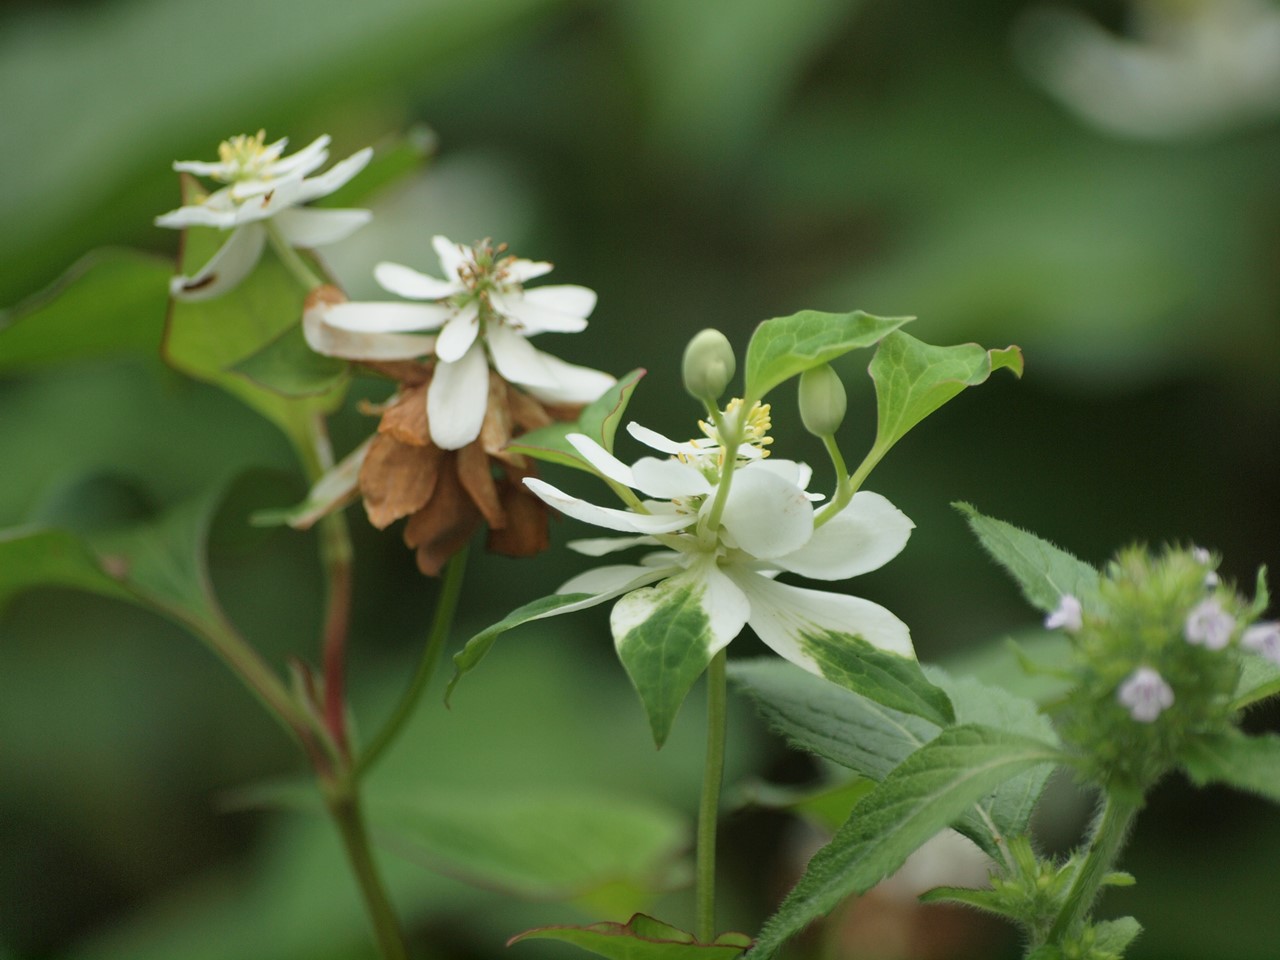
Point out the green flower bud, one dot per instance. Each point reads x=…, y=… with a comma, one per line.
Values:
x=822, y=400
x=709, y=365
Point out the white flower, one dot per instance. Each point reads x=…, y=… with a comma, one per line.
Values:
x=1145, y=695
x=1067, y=616
x=1264, y=640
x=767, y=527
x=1208, y=625
x=483, y=313
x=261, y=185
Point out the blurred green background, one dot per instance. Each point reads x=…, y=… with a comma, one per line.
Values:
x=696, y=162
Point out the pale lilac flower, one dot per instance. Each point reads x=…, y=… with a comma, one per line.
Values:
x=1208, y=625
x=1068, y=615
x=1205, y=558
x=484, y=315
x=1264, y=640
x=260, y=186
x=1145, y=695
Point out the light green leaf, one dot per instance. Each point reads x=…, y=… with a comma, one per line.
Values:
x=286, y=365
x=1114, y=936
x=599, y=420
x=886, y=678
x=929, y=790
x=109, y=300
x=1237, y=760
x=469, y=657
x=1044, y=572
x=1259, y=679
x=669, y=646
x=545, y=843
x=788, y=346
x=913, y=379
x=642, y=938
x=32, y=558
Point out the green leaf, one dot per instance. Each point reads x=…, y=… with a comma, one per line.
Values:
x=1044, y=572
x=109, y=300
x=469, y=657
x=986, y=900
x=208, y=339
x=391, y=163
x=599, y=420
x=1114, y=936
x=1259, y=679
x=1237, y=760
x=642, y=938
x=785, y=347
x=913, y=379
x=545, y=843
x=929, y=790
x=32, y=558
x=886, y=678
x=290, y=368
x=664, y=640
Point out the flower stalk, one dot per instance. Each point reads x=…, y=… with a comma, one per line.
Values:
x=1118, y=813
x=709, y=808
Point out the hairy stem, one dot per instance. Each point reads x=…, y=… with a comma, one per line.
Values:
x=709, y=809
x=1108, y=837
x=441, y=624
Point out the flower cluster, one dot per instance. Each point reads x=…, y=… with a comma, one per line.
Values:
x=262, y=197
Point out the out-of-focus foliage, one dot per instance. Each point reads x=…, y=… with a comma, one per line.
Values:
x=708, y=163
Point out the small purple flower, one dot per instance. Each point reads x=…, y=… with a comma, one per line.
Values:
x=1264, y=640
x=1208, y=625
x=1205, y=559
x=1068, y=616
x=1145, y=695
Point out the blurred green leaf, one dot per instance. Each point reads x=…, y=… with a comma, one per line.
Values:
x=929, y=790
x=1259, y=679
x=1114, y=936
x=287, y=366
x=913, y=379
x=110, y=300
x=785, y=347
x=1044, y=573
x=641, y=938
x=392, y=162
x=599, y=420
x=1236, y=760
x=51, y=558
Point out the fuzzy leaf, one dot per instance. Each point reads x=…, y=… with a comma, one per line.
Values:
x=1044, y=572
x=1114, y=936
x=929, y=790
x=599, y=420
x=641, y=938
x=913, y=379
x=785, y=347
x=1259, y=679
x=886, y=678
x=1237, y=760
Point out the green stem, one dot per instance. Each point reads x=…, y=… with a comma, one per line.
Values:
x=344, y=807
x=709, y=809
x=441, y=624
x=292, y=259
x=729, y=443
x=1108, y=837
x=844, y=483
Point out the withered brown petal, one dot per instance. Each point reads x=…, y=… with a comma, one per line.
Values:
x=527, y=412
x=397, y=479
x=406, y=419
x=442, y=527
x=526, y=531
x=476, y=476
x=411, y=373
x=495, y=432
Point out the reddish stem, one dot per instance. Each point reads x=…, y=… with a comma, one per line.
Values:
x=337, y=621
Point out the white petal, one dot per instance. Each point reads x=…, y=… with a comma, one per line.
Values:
x=567, y=298
x=201, y=168
x=656, y=441
x=459, y=334
x=604, y=579
x=309, y=158
x=375, y=316
x=332, y=490
x=783, y=616
x=316, y=227
x=452, y=256
x=233, y=262
x=335, y=342
x=795, y=473
x=457, y=398
x=600, y=546
x=578, y=583
x=522, y=271
x=197, y=215
x=668, y=478
x=866, y=535
x=529, y=314
x=573, y=384
x=517, y=360
x=407, y=282
x=605, y=462
x=608, y=517
x=335, y=177
x=765, y=515
x=724, y=604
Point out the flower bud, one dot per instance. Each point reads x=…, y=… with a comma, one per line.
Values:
x=822, y=400
x=708, y=365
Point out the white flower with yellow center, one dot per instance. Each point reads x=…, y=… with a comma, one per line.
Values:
x=262, y=186
x=723, y=553
x=483, y=314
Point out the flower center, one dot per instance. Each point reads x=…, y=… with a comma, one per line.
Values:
x=486, y=270
x=246, y=157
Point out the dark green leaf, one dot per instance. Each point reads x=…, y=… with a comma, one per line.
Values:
x=642, y=938
x=599, y=420
x=110, y=300
x=929, y=790
x=1044, y=572
x=785, y=347
x=1237, y=760
x=287, y=366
